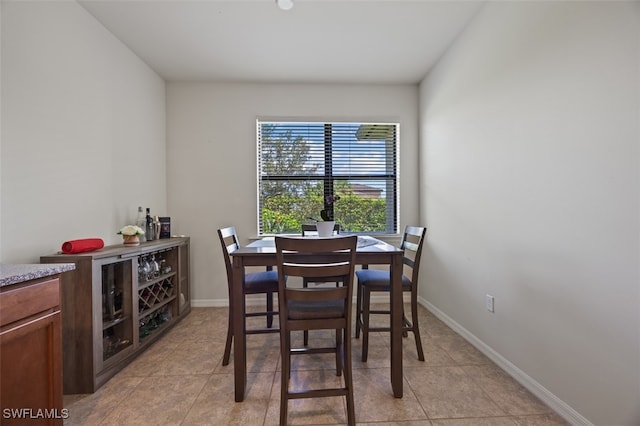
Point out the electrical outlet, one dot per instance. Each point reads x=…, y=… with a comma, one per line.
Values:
x=488, y=301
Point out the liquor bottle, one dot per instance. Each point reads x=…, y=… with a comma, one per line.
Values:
x=141, y=223
x=156, y=227
x=149, y=226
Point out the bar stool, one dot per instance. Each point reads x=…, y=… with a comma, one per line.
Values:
x=374, y=280
x=316, y=308
x=265, y=282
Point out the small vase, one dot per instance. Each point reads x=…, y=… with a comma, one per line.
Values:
x=325, y=229
x=130, y=240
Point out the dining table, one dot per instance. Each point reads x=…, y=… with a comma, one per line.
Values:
x=262, y=252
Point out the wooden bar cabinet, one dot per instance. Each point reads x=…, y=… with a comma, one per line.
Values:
x=116, y=302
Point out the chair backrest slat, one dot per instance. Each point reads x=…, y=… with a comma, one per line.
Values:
x=408, y=245
x=412, y=241
x=316, y=270
x=316, y=294
x=229, y=243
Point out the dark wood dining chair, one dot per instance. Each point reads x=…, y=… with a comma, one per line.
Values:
x=310, y=229
x=375, y=280
x=316, y=308
x=264, y=282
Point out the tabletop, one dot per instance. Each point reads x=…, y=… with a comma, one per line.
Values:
x=366, y=244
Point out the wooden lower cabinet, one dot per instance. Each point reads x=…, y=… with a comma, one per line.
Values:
x=31, y=353
x=116, y=302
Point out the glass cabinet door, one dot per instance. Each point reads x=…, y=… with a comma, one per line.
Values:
x=183, y=279
x=117, y=318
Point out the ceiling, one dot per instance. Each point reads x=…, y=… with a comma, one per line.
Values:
x=318, y=41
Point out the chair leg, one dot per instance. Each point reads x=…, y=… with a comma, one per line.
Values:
x=358, y=309
x=348, y=378
x=305, y=284
x=366, y=297
x=285, y=373
x=227, y=346
x=339, y=351
x=269, y=309
x=405, y=321
x=416, y=329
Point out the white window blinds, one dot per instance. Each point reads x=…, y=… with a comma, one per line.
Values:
x=349, y=170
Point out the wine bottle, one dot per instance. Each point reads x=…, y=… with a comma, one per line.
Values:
x=149, y=226
x=141, y=223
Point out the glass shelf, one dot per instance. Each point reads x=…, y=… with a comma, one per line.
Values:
x=113, y=322
x=143, y=284
x=117, y=315
x=154, y=321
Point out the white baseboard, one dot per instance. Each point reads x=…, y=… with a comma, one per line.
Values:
x=556, y=404
x=209, y=303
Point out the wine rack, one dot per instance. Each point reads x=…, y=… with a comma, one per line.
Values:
x=156, y=294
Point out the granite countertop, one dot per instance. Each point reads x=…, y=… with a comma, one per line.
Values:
x=14, y=274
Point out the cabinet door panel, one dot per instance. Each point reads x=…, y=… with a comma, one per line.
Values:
x=31, y=369
x=114, y=319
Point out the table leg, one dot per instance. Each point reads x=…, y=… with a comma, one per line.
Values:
x=239, y=337
x=396, y=326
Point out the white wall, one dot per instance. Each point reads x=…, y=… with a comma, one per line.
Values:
x=530, y=130
x=211, y=152
x=83, y=131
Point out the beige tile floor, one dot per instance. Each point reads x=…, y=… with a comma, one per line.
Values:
x=180, y=380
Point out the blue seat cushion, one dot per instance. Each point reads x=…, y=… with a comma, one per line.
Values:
x=261, y=282
x=379, y=280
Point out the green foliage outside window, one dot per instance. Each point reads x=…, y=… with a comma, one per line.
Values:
x=285, y=213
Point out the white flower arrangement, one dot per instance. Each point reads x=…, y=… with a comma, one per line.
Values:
x=131, y=230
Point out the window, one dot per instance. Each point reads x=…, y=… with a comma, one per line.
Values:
x=304, y=165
